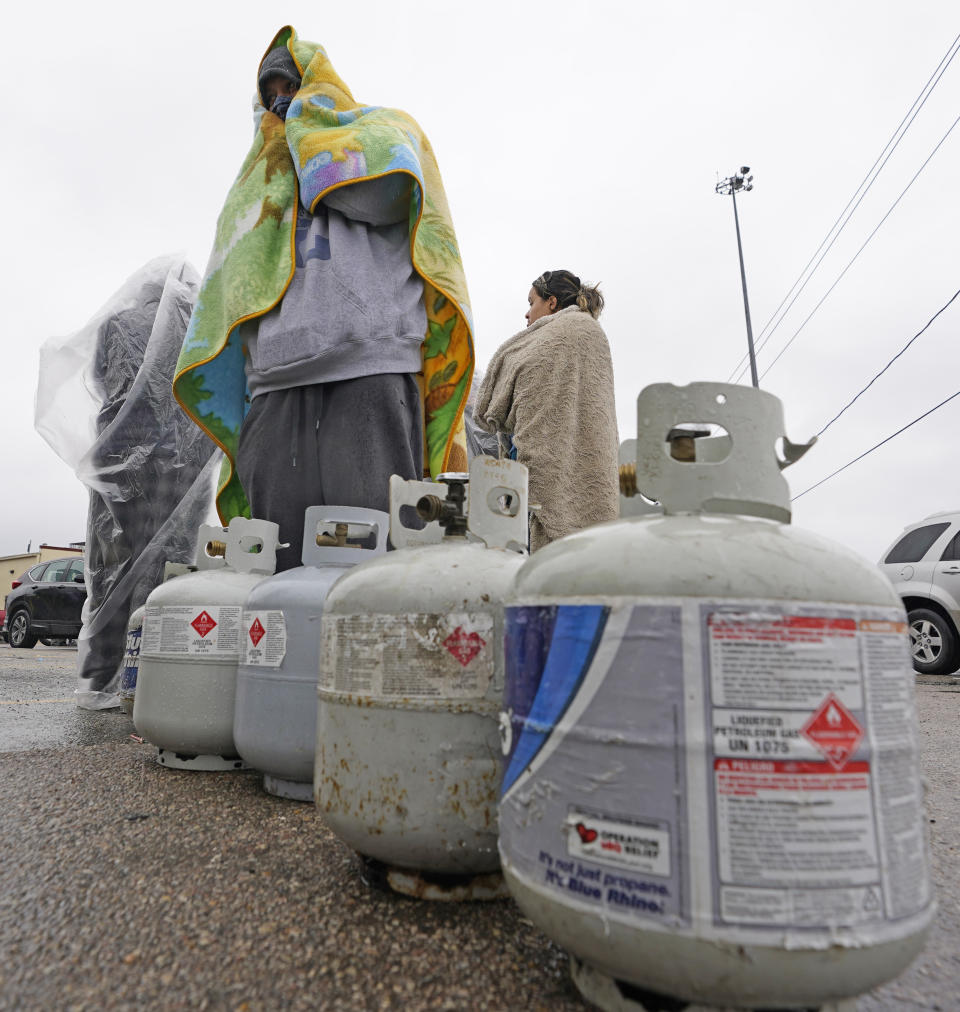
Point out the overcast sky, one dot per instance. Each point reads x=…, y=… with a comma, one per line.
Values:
x=585, y=136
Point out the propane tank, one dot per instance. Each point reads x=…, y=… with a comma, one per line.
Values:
x=131, y=660
x=275, y=721
x=186, y=685
x=130, y=664
x=712, y=788
x=408, y=761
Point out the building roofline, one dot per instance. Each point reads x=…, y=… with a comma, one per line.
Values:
x=55, y=548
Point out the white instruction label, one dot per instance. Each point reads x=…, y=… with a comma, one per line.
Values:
x=792, y=823
x=896, y=765
x=801, y=908
x=410, y=656
x=802, y=783
x=195, y=631
x=264, y=638
x=758, y=659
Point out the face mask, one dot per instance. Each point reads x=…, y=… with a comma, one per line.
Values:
x=280, y=105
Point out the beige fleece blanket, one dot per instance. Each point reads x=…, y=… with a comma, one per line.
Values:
x=550, y=387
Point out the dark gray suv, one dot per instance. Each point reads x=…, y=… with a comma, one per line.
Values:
x=47, y=603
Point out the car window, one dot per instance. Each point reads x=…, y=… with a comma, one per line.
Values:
x=76, y=569
x=952, y=552
x=35, y=573
x=56, y=571
x=914, y=545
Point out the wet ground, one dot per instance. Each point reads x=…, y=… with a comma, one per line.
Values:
x=127, y=885
x=37, y=707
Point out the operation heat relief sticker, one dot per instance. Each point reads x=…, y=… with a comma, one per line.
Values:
x=264, y=638
x=412, y=656
x=762, y=757
x=191, y=631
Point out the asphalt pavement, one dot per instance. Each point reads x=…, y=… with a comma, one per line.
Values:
x=127, y=885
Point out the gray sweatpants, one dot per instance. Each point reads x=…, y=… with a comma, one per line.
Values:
x=328, y=444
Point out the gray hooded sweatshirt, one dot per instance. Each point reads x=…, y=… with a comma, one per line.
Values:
x=355, y=304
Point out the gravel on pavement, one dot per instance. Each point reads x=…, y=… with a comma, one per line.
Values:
x=127, y=885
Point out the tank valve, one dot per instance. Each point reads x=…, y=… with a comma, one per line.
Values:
x=450, y=512
x=682, y=446
x=338, y=538
x=216, y=549
x=429, y=507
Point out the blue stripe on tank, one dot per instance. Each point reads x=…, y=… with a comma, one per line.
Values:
x=576, y=636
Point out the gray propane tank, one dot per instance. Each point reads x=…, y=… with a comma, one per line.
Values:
x=275, y=721
x=713, y=786
x=130, y=664
x=186, y=685
x=408, y=761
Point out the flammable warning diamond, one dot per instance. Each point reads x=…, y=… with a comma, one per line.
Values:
x=834, y=730
x=203, y=623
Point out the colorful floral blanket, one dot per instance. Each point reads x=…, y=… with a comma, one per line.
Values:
x=328, y=141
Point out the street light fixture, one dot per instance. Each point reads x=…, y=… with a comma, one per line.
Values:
x=742, y=181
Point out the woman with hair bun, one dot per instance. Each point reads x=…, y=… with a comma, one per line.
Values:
x=548, y=393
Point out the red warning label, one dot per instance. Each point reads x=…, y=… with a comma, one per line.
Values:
x=834, y=731
x=464, y=646
x=256, y=632
x=203, y=623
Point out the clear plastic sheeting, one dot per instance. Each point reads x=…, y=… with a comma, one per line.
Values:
x=479, y=441
x=105, y=404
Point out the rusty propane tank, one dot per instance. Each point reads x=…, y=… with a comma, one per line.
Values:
x=411, y=683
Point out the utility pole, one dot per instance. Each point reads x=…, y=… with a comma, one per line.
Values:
x=741, y=181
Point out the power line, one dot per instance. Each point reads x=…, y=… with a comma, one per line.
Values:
x=877, y=447
x=887, y=366
x=914, y=109
x=862, y=248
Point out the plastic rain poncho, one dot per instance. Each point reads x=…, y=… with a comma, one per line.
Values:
x=105, y=404
x=479, y=441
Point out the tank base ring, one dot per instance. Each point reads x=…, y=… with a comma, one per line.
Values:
x=206, y=763
x=423, y=885
x=292, y=789
x=612, y=995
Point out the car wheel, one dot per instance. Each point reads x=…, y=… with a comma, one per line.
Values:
x=933, y=643
x=19, y=630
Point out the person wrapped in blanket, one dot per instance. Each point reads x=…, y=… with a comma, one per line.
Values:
x=331, y=370
x=548, y=394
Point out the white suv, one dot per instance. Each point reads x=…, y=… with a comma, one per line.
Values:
x=924, y=566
